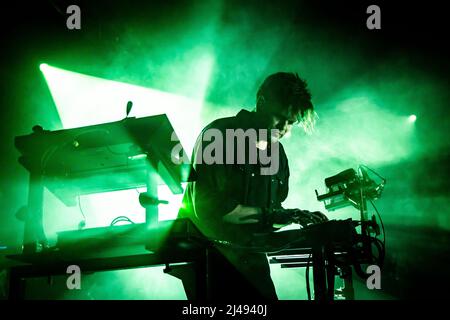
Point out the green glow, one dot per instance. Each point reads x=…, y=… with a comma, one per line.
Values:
x=43, y=66
x=83, y=100
x=169, y=211
x=412, y=118
x=363, y=107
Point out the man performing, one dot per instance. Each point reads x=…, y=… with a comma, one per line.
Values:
x=231, y=200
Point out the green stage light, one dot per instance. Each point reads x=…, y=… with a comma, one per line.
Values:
x=412, y=118
x=43, y=66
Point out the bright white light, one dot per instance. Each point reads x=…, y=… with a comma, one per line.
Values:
x=83, y=100
x=412, y=118
x=43, y=66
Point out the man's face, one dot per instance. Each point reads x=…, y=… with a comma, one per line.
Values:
x=283, y=122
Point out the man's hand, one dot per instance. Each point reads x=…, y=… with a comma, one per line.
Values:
x=243, y=215
x=280, y=217
x=305, y=217
x=287, y=216
x=319, y=215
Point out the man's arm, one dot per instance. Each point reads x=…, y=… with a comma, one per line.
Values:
x=277, y=218
x=243, y=215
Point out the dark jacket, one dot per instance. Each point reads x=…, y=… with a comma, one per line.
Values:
x=218, y=188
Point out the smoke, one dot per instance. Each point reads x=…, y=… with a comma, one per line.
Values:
x=219, y=53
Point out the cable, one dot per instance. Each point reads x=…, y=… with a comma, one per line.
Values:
x=121, y=219
x=374, y=259
x=79, y=206
x=308, y=287
x=381, y=251
x=262, y=249
x=56, y=8
x=382, y=224
x=384, y=180
x=82, y=223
